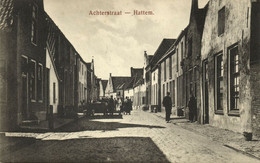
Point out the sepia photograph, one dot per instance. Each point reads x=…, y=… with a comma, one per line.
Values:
x=175, y=81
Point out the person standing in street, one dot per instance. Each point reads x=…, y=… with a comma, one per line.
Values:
x=167, y=103
x=111, y=105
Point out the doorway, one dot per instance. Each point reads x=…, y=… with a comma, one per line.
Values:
x=205, y=92
x=24, y=71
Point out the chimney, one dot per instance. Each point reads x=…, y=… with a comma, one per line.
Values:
x=110, y=74
x=145, y=54
x=132, y=72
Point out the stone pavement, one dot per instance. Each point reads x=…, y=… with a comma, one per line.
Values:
x=228, y=138
x=176, y=143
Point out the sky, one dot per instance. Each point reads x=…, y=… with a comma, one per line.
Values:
x=118, y=42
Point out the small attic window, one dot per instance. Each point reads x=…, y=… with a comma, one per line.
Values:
x=221, y=21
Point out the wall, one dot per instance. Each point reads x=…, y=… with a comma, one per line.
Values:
x=179, y=82
x=255, y=67
x=53, y=79
x=139, y=96
x=170, y=81
x=129, y=93
x=192, y=59
x=36, y=107
x=9, y=103
x=154, y=87
x=82, y=82
x=237, y=31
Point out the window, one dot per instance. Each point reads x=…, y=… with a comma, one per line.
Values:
x=173, y=92
x=165, y=70
x=181, y=51
x=190, y=75
x=221, y=21
x=234, y=78
x=54, y=93
x=147, y=76
x=163, y=90
x=219, y=81
x=34, y=24
x=82, y=69
x=156, y=102
x=187, y=87
x=40, y=82
x=170, y=67
x=177, y=60
x=32, y=77
x=190, y=47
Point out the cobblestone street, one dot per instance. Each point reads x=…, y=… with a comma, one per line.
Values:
x=139, y=137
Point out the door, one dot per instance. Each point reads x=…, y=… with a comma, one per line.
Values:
x=48, y=88
x=205, y=92
x=24, y=71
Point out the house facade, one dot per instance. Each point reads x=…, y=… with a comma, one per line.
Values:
x=156, y=74
x=168, y=76
x=136, y=75
x=23, y=61
x=82, y=82
x=191, y=63
x=180, y=48
x=230, y=66
x=52, y=82
x=116, y=86
x=102, y=88
x=139, y=95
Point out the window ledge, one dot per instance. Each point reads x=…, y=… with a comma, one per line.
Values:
x=33, y=43
x=234, y=113
x=221, y=35
x=219, y=112
x=32, y=100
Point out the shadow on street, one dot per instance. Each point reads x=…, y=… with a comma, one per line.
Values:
x=105, y=117
x=85, y=124
x=119, y=149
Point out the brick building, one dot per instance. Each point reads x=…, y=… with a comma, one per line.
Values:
x=192, y=57
x=23, y=61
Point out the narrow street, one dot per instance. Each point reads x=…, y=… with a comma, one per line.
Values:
x=139, y=137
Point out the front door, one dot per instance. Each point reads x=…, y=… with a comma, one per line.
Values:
x=24, y=109
x=205, y=92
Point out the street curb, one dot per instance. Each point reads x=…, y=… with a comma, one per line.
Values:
x=243, y=152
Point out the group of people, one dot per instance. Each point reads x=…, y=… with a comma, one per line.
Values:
x=192, y=105
x=120, y=104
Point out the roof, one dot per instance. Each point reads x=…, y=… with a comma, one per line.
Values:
x=6, y=12
x=119, y=82
x=173, y=46
x=104, y=84
x=201, y=17
x=136, y=71
x=163, y=47
x=137, y=75
x=138, y=82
